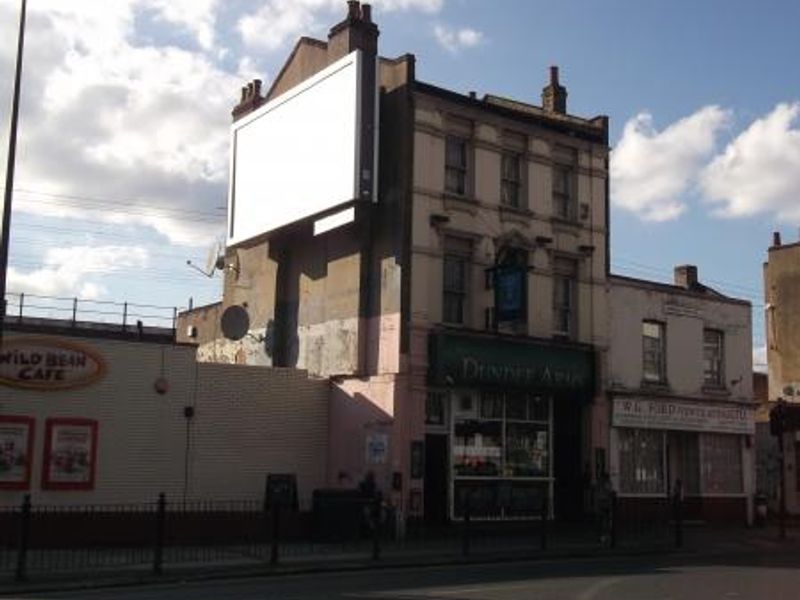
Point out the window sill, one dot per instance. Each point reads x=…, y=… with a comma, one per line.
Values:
x=563, y=337
x=462, y=203
x=661, y=386
x=514, y=213
x=569, y=223
x=716, y=390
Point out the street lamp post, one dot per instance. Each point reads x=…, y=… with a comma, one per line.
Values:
x=12, y=153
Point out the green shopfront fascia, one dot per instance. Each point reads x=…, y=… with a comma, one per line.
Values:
x=513, y=412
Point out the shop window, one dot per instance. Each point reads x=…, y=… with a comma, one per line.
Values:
x=565, y=291
x=527, y=450
x=641, y=458
x=539, y=408
x=653, y=352
x=491, y=406
x=517, y=407
x=478, y=448
x=455, y=170
x=713, y=358
x=722, y=463
x=457, y=252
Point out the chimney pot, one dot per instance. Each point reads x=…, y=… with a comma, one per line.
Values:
x=473, y=95
x=257, y=86
x=553, y=75
x=776, y=238
x=244, y=93
x=686, y=276
x=366, y=13
x=352, y=9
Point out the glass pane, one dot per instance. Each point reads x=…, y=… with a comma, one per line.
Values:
x=527, y=450
x=517, y=407
x=509, y=194
x=434, y=408
x=722, y=463
x=456, y=155
x=477, y=448
x=651, y=330
x=455, y=181
x=539, y=408
x=454, y=275
x=492, y=406
x=641, y=455
x=453, y=308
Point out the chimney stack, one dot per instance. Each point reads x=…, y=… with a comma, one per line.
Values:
x=356, y=32
x=251, y=99
x=554, y=95
x=686, y=276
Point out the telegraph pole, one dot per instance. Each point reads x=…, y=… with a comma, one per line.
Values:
x=12, y=154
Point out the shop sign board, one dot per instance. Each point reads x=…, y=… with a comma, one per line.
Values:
x=43, y=363
x=645, y=413
x=490, y=362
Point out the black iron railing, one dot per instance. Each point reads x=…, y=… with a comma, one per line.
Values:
x=74, y=312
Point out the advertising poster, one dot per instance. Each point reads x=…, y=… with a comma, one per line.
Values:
x=16, y=452
x=70, y=454
x=377, y=448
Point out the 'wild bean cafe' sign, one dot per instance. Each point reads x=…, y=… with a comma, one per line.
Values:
x=490, y=362
x=48, y=364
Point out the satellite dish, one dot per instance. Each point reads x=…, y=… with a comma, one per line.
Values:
x=215, y=260
x=235, y=322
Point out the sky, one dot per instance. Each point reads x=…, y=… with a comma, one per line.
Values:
x=122, y=159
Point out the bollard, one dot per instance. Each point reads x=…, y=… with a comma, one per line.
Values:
x=613, y=532
x=465, y=540
x=375, y=509
x=158, y=550
x=273, y=550
x=24, y=539
x=678, y=515
x=543, y=523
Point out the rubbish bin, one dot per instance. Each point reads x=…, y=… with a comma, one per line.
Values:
x=338, y=515
x=760, y=505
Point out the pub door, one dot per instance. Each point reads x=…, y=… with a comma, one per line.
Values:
x=436, y=472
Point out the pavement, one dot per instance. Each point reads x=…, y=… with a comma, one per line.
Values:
x=699, y=543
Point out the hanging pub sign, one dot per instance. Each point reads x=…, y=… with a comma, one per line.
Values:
x=509, y=293
x=43, y=363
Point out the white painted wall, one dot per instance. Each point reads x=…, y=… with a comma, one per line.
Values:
x=249, y=421
x=685, y=317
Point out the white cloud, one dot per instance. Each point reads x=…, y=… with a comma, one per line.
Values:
x=65, y=270
x=197, y=16
x=278, y=22
x=650, y=170
x=454, y=40
x=107, y=117
x=759, y=171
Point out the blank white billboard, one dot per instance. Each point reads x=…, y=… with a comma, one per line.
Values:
x=297, y=155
